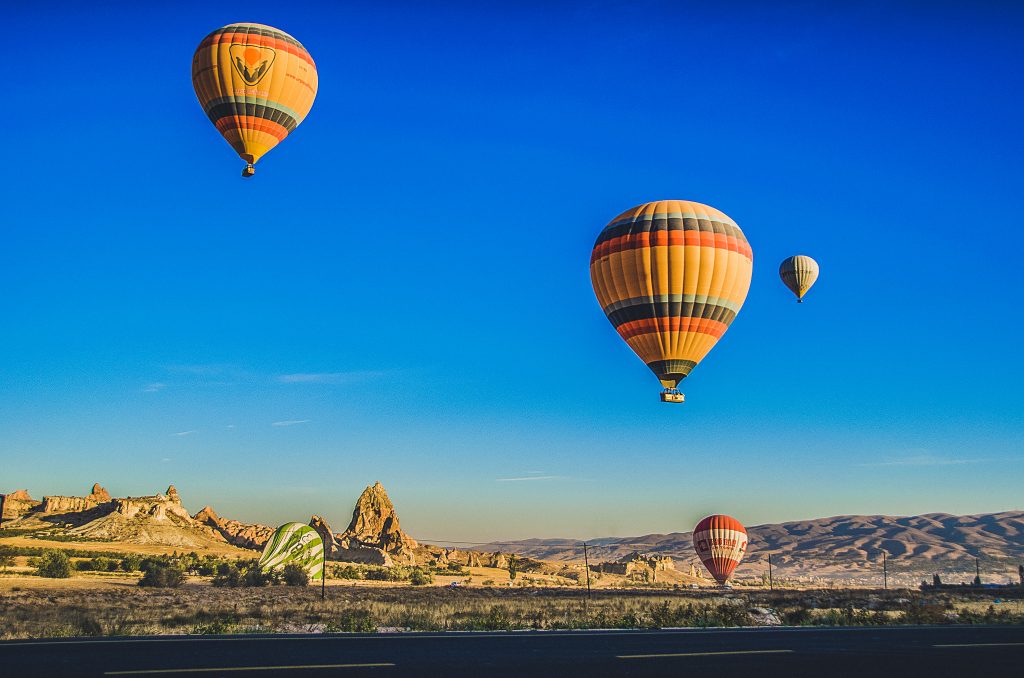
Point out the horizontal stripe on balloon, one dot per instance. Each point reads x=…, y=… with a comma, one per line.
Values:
x=673, y=299
x=233, y=100
x=647, y=311
x=239, y=123
x=261, y=38
x=672, y=367
x=635, y=328
x=670, y=238
x=645, y=223
x=279, y=117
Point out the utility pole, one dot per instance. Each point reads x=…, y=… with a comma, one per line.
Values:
x=885, y=572
x=586, y=565
x=771, y=584
x=323, y=579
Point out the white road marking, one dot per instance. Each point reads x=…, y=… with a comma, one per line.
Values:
x=699, y=654
x=981, y=645
x=222, y=669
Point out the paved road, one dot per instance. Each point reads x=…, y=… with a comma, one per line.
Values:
x=862, y=652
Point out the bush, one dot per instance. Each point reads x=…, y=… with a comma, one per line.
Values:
x=421, y=577
x=244, y=573
x=294, y=575
x=131, y=562
x=98, y=564
x=163, y=577
x=354, y=621
x=54, y=564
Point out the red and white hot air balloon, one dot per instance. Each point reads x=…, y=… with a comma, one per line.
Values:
x=720, y=542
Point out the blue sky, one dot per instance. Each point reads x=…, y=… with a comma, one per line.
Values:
x=402, y=292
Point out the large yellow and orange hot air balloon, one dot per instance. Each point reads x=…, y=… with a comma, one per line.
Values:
x=256, y=84
x=671, y=276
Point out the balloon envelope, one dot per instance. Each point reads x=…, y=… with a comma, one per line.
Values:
x=671, y=276
x=798, y=274
x=255, y=83
x=720, y=542
x=294, y=543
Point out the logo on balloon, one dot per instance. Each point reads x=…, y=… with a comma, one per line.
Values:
x=251, y=61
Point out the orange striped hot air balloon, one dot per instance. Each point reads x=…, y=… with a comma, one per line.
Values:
x=256, y=84
x=720, y=542
x=671, y=276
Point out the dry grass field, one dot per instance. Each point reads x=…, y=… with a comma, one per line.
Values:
x=113, y=604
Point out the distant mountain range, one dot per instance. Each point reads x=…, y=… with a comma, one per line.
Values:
x=841, y=544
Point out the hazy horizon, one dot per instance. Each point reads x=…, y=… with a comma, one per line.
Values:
x=402, y=292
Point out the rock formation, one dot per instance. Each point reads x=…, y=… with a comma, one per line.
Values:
x=15, y=505
x=157, y=507
x=374, y=535
x=60, y=504
x=99, y=494
x=232, y=531
x=326, y=534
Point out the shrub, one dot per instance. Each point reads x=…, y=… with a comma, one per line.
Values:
x=294, y=575
x=131, y=562
x=352, y=621
x=420, y=577
x=228, y=575
x=244, y=573
x=6, y=560
x=54, y=564
x=163, y=577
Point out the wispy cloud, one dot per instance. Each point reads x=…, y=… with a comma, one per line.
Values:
x=328, y=377
x=155, y=387
x=922, y=460
x=291, y=422
x=527, y=478
x=201, y=370
x=182, y=434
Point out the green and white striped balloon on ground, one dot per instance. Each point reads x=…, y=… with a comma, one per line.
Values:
x=294, y=543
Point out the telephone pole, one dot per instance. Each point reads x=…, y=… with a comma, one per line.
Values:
x=771, y=585
x=586, y=566
x=885, y=573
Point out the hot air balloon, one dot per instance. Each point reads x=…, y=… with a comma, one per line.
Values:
x=720, y=542
x=671, y=275
x=256, y=84
x=799, y=273
x=294, y=543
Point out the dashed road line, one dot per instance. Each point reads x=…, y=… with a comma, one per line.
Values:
x=224, y=669
x=699, y=654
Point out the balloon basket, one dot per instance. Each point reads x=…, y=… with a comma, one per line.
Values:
x=249, y=170
x=672, y=395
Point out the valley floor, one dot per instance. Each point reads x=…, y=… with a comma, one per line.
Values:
x=113, y=604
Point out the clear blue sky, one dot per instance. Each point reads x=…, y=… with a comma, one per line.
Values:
x=402, y=292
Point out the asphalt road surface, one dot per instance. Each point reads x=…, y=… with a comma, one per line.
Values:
x=865, y=652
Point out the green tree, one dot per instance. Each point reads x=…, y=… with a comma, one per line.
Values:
x=161, y=576
x=513, y=567
x=6, y=560
x=54, y=564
